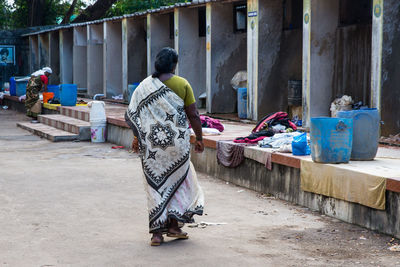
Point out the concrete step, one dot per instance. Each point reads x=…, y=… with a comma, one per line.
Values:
x=80, y=113
x=48, y=132
x=69, y=124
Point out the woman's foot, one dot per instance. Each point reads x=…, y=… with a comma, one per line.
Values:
x=175, y=231
x=157, y=239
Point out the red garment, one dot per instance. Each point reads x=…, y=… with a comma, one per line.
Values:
x=44, y=79
x=273, y=119
x=248, y=140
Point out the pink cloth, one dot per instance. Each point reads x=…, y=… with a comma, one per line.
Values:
x=208, y=122
x=249, y=141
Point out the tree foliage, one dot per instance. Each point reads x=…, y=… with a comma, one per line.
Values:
x=28, y=13
x=123, y=7
x=5, y=15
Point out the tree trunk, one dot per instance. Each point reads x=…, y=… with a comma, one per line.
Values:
x=95, y=11
x=70, y=11
x=36, y=12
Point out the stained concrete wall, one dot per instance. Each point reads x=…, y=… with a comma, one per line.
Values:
x=352, y=74
x=34, y=53
x=191, y=50
x=284, y=183
x=95, y=59
x=390, y=92
x=279, y=58
x=54, y=57
x=112, y=58
x=80, y=57
x=136, y=56
x=318, y=56
x=158, y=26
x=44, y=50
x=228, y=56
x=66, y=47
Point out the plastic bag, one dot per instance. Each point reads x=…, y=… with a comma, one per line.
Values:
x=300, y=146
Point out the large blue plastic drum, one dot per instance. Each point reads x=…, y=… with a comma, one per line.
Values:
x=68, y=94
x=365, y=132
x=331, y=139
x=242, y=102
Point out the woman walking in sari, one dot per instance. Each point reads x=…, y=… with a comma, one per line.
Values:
x=38, y=80
x=158, y=114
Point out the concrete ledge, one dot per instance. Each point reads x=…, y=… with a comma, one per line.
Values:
x=284, y=183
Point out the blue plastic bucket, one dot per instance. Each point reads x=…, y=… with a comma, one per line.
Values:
x=13, y=86
x=365, y=132
x=54, y=89
x=21, y=87
x=68, y=94
x=242, y=102
x=331, y=139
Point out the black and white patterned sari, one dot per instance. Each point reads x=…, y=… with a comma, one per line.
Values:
x=157, y=116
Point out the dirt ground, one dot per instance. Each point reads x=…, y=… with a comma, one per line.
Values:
x=83, y=204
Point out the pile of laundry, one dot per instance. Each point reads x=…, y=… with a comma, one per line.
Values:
x=282, y=142
x=210, y=126
x=268, y=126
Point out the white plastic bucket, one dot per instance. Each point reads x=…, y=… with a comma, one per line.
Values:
x=98, y=131
x=97, y=111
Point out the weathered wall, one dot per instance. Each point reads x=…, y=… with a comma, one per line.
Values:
x=66, y=46
x=353, y=62
x=390, y=92
x=113, y=58
x=21, y=66
x=44, y=47
x=54, y=57
x=272, y=93
x=228, y=56
x=284, y=183
x=80, y=57
x=320, y=23
x=324, y=23
x=137, y=59
x=95, y=59
x=34, y=53
x=192, y=48
x=159, y=35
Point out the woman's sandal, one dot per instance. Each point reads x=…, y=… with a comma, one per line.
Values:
x=181, y=235
x=156, y=243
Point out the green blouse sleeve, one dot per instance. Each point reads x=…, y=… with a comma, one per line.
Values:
x=189, y=96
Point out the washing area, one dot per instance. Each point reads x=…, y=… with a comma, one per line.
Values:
x=112, y=59
x=160, y=34
x=34, y=53
x=226, y=54
x=66, y=55
x=352, y=48
x=190, y=42
x=275, y=57
x=134, y=60
x=80, y=58
x=54, y=57
x=44, y=47
x=95, y=82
